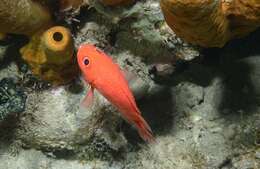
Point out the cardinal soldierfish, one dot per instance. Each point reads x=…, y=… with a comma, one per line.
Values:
x=103, y=74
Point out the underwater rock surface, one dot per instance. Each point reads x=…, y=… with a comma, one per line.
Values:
x=205, y=115
x=64, y=126
x=140, y=29
x=3, y=49
x=12, y=98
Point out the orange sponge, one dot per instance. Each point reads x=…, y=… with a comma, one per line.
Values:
x=50, y=55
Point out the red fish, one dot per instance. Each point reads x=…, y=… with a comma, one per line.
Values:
x=103, y=74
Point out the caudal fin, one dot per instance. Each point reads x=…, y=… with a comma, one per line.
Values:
x=144, y=129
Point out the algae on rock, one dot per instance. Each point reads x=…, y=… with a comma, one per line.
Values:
x=12, y=98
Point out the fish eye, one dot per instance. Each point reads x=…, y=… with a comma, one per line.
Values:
x=86, y=61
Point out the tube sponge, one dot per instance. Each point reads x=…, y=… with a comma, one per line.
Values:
x=23, y=17
x=50, y=55
x=58, y=45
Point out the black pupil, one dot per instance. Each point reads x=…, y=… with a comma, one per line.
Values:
x=86, y=61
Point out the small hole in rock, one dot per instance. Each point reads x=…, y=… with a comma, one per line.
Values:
x=57, y=36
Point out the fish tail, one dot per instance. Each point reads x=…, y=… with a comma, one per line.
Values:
x=144, y=129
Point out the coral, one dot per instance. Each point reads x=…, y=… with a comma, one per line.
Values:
x=23, y=17
x=12, y=98
x=116, y=2
x=50, y=55
x=211, y=23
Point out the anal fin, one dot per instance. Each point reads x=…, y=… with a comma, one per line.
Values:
x=88, y=100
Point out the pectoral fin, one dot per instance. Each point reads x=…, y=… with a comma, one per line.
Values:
x=88, y=100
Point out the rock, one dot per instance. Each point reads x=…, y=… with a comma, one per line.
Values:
x=140, y=29
x=151, y=45
x=246, y=83
x=188, y=95
x=72, y=4
x=69, y=9
x=245, y=162
x=250, y=65
x=211, y=23
x=2, y=52
x=57, y=122
x=230, y=132
x=257, y=154
x=93, y=32
x=116, y=2
x=138, y=80
x=12, y=98
x=164, y=69
x=32, y=159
